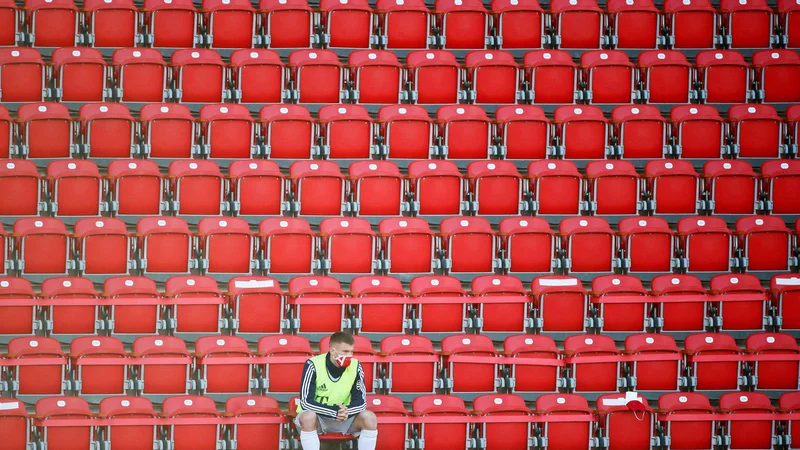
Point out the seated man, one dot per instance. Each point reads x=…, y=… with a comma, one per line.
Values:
x=333, y=398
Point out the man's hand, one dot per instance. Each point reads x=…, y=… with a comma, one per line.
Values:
x=342, y=415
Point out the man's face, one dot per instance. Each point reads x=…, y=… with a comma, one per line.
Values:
x=341, y=349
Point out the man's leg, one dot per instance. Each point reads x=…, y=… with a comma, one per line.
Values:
x=367, y=424
x=309, y=438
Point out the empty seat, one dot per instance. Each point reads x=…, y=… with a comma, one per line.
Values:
x=287, y=24
x=133, y=319
x=258, y=75
x=785, y=296
x=493, y=75
x=227, y=244
x=732, y=186
x=582, y=132
x=231, y=24
x=406, y=25
x=319, y=186
x=377, y=76
x=42, y=379
x=508, y=317
x=57, y=408
x=609, y=76
x=469, y=244
x=698, y=131
x=635, y=26
x=19, y=319
x=668, y=76
x=406, y=130
x=654, y=374
x=129, y=407
x=451, y=435
x=787, y=19
x=52, y=24
x=101, y=366
x=200, y=437
x=774, y=374
x=466, y=132
x=166, y=245
x=706, y=243
x=575, y=433
x=177, y=22
x=788, y=402
x=71, y=319
x=520, y=24
x=108, y=129
x=46, y=131
x=228, y=131
x=757, y=131
x=168, y=130
x=321, y=318
x=439, y=317
x=198, y=186
x=23, y=75
x=779, y=180
x=552, y=75
x=674, y=185
x=520, y=351
x=740, y=313
x=464, y=25
x=529, y=244
x=322, y=72
x=408, y=244
x=377, y=317
x=288, y=245
x=196, y=318
x=232, y=376
x=288, y=131
x=42, y=246
x=287, y=355
x=411, y=363
x=588, y=243
x=624, y=316
x=497, y=186
x=470, y=375
x=136, y=187
x=103, y=246
x=258, y=187
x=378, y=188
x=349, y=244
x=9, y=18
x=753, y=433
x=577, y=24
x=640, y=130
x=77, y=188
x=523, y=130
x=766, y=243
x=346, y=131
x=257, y=304
x=774, y=71
x=649, y=243
x=687, y=434
x=721, y=367
x=14, y=420
x=200, y=75
x=724, y=76
x=613, y=187
x=141, y=74
x=111, y=24
x=692, y=25
x=347, y=25
x=749, y=25
x=80, y=74
x=562, y=303
x=438, y=186
x=20, y=188
x=557, y=187
x=593, y=376
x=435, y=76
x=256, y=434
x=164, y=365
x=512, y=436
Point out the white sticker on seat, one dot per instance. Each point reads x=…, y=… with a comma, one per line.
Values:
x=634, y=110
x=464, y=223
x=561, y=400
x=72, y=166
x=284, y=110
x=770, y=340
x=14, y=53
x=459, y=110
x=193, y=166
x=125, y=403
x=692, y=110
x=220, y=341
x=190, y=282
x=283, y=224
x=223, y=110
x=402, y=224
x=488, y=56
x=314, y=166
x=701, y=223
x=136, y=54
x=429, y=55
x=794, y=281
x=559, y=282
x=491, y=166
x=10, y=166
x=344, y=223
x=162, y=223
x=683, y=399
x=282, y=341
x=342, y=110
x=253, y=284
x=734, y=280
x=401, y=110
x=61, y=403
x=104, y=109
x=187, y=402
x=42, y=109
x=377, y=401
x=373, y=167
x=588, y=341
x=195, y=55
x=529, y=341
x=34, y=344
x=164, y=109
x=434, y=282
x=38, y=224
x=466, y=341
x=709, y=340
x=95, y=343
x=251, y=402
x=67, y=283
x=785, y=165
x=577, y=111
x=223, y=223
x=546, y=55
x=76, y=53
x=775, y=55
x=437, y=401
x=583, y=223
x=615, y=282
x=99, y=224
x=254, y=55
x=496, y=282
x=523, y=223
x=759, y=221
x=603, y=55
x=676, y=281
x=253, y=166
x=372, y=56
x=405, y=342
x=312, y=55
x=375, y=282
x=668, y=165
x=751, y=110
x=661, y=56
x=743, y=398
x=649, y=340
x=432, y=166
x=313, y=282
x=158, y=342
x=4, y=284
x=609, y=166
x=9, y=405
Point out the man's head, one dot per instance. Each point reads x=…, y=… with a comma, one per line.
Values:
x=341, y=348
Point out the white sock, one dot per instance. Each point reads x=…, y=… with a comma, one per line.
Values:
x=310, y=440
x=368, y=440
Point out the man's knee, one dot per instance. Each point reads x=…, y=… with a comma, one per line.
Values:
x=367, y=420
x=308, y=421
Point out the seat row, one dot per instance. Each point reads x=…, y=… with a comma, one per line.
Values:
x=617, y=305
x=222, y=366
x=452, y=24
x=79, y=74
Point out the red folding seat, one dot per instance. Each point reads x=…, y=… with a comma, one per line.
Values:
x=511, y=317
x=557, y=187
x=108, y=130
x=129, y=407
x=71, y=184
x=255, y=435
x=356, y=16
x=595, y=376
x=788, y=20
x=406, y=131
x=199, y=75
x=319, y=186
x=53, y=23
x=435, y=76
x=757, y=131
x=177, y=23
x=441, y=317
x=692, y=25
x=195, y=318
x=133, y=319
x=46, y=131
x=687, y=434
x=346, y=131
x=766, y=243
x=732, y=186
x=232, y=376
x=45, y=377
x=785, y=296
x=780, y=180
x=523, y=352
x=776, y=71
x=575, y=434
x=349, y=244
x=42, y=246
x=165, y=244
x=231, y=24
x=523, y=130
x=52, y=409
x=407, y=244
x=323, y=73
x=653, y=374
x=753, y=433
x=588, y=243
x=100, y=366
x=529, y=244
x=6, y=132
x=136, y=187
x=258, y=75
x=707, y=244
x=789, y=402
x=640, y=130
x=227, y=244
x=9, y=18
x=463, y=24
x=228, y=131
x=561, y=303
x=14, y=421
x=257, y=304
x=377, y=317
x=722, y=364
x=168, y=131
x=587, y=137
x=497, y=186
x=609, y=76
x=466, y=132
x=793, y=121
x=623, y=425
x=378, y=188
x=405, y=25
x=288, y=131
x=410, y=364
x=459, y=354
x=613, y=187
x=499, y=79
x=103, y=246
x=437, y=186
x=287, y=24
x=552, y=75
x=79, y=74
x=140, y=73
x=469, y=243
x=289, y=245
x=649, y=243
x=636, y=26
x=749, y=24
x=577, y=25
x=199, y=437
x=198, y=187
x=452, y=435
x=19, y=319
x=680, y=316
x=164, y=365
x=317, y=318
x=258, y=187
x=740, y=314
x=287, y=354
x=111, y=24
x=673, y=185
x=68, y=319
x=511, y=436
x=774, y=374
x=698, y=130
x=23, y=75
x=377, y=76
x=724, y=76
x=20, y=188
x=631, y=317
x=667, y=76
x=520, y=25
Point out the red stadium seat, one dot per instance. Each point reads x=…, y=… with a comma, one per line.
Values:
x=134, y=408
x=452, y=435
x=52, y=24
x=378, y=188
x=435, y=76
x=407, y=244
x=228, y=131
x=437, y=186
x=774, y=71
x=43, y=379
x=744, y=314
x=227, y=244
x=557, y=187
x=582, y=132
x=42, y=246
x=707, y=244
x=463, y=25
x=258, y=75
x=136, y=187
x=577, y=25
x=77, y=188
x=168, y=131
x=406, y=131
x=9, y=18
x=349, y=244
x=469, y=375
x=52, y=409
x=788, y=402
x=772, y=374
x=497, y=186
x=552, y=75
x=636, y=26
x=523, y=130
x=655, y=374
x=493, y=75
x=753, y=433
x=231, y=24
x=166, y=245
x=20, y=188
x=749, y=24
x=785, y=295
x=779, y=180
x=94, y=358
x=255, y=435
x=404, y=25
x=609, y=76
x=593, y=376
x=80, y=74
x=133, y=319
x=562, y=303
x=757, y=131
x=198, y=187
x=673, y=185
x=649, y=243
x=6, y=132
x=698, y=131
x=623, y=425
x=231, y=377
x=502, y=317
x=288, y=131
x=172, y=24
x=724, y=75
x=721, y=368
x=287, y=24
x=289, y=245
x=71, y=320
x=377, y=76
x=667, y=76
x=195, y=318
x=323, y=75
x=469, y=243
x=567, y=434
x=520, y=25
x=317, y=318
x=732, y=186
x=199, y=75
x=411, y=364
x=640, y=130
x=692, y=25
x=258, y=188
x=111, y=24
x=529, y=244
x=109, y=130
x=787, y=19
x=140, y=73
x=103, y=246
x=15, y=423
x=630, y=317
x=688, y=434
x=284, y=376
x=766, y=243
x=613, y=187
x=588, y=244
x=319, y=186
x=46, y=131
x=376, y=317
x=19, y=319
x=257, y=304
x=346, y=132
x=23, y=75
x=441, y=317
x=466, y=132
x=532, y=378
x=355, y=15
x=200, y=437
